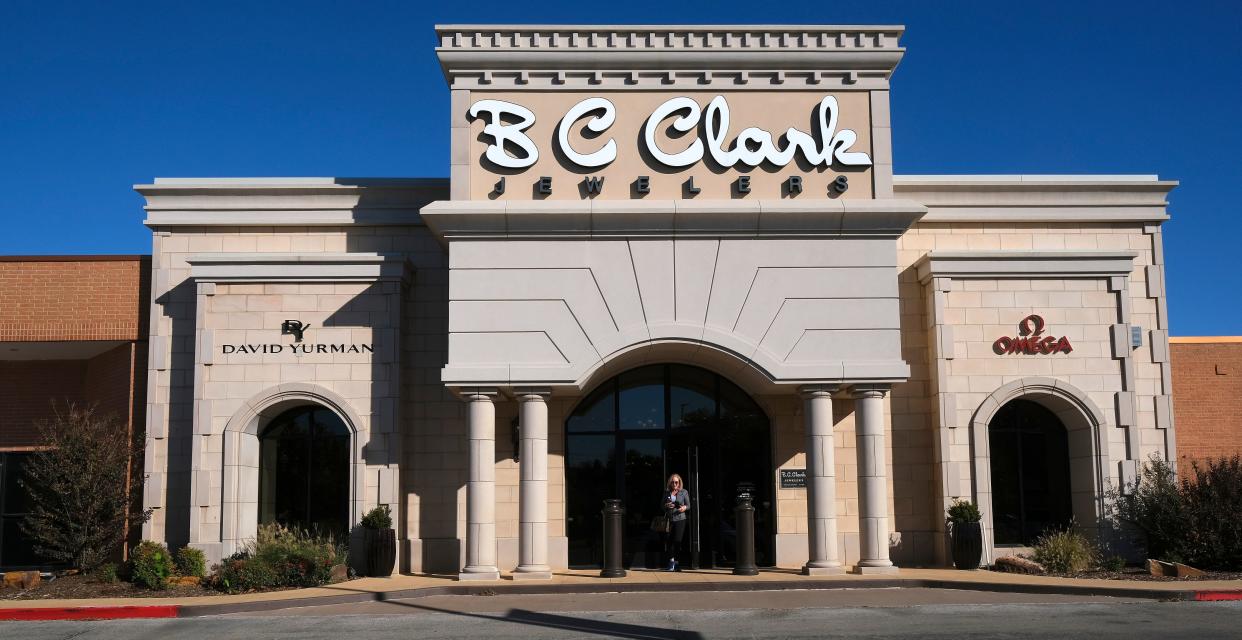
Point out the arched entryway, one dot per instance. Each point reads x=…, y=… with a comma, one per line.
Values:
x=635, y=429
x=304, y=471
x=1029, y=450
x=1023, y=410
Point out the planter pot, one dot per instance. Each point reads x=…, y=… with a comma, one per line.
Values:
x=381, y=551
x=967, y=545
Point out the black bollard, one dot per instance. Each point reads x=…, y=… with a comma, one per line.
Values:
x=614, y=521
x=744, y=517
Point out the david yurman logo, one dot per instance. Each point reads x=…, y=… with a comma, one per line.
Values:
x=297, y=329
x=293, y=328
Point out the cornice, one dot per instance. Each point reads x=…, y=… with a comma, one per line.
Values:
x=302, y=202
x=478, y=219
x=1038, y=198
x=1024, y=264
x=297, y=267
x=620, y=57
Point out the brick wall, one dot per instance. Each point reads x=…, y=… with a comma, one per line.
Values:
x=1207, y=397
x=77, y=299
x=47, y=298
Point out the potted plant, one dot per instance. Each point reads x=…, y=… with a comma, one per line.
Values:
x=963, y=521
x=380, y=541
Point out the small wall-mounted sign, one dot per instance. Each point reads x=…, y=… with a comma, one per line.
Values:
x=793, y=478
x=1031, y=340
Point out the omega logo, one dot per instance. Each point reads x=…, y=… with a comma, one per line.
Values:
x=1031, y=340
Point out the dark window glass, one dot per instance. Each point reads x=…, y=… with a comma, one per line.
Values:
x=304, y=471
x=597, y=413
x=1029, y=449
x=591, y=469
x=641, y=398
x=692, y=396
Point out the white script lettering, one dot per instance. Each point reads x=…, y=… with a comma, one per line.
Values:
x=597, y=124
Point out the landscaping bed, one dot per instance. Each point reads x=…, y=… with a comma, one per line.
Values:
x=81, y=586
x=1142, y=575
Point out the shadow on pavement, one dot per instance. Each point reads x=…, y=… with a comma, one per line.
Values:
x=569, y=623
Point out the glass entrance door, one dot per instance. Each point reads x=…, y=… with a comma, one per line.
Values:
x=628, y=435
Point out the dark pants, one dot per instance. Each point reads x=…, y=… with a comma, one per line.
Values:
x=672, y=539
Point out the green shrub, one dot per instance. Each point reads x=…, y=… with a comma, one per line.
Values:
x=151, y=565
x=1064, y=551
x=1113, y=563
x=278, y=557
x=1196, y=520
x=377, y=518
x=106, y=572
x=191, y=562
x=963, y=511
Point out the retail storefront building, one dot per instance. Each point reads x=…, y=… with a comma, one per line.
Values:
x=660, y=250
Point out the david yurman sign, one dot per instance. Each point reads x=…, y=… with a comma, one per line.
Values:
x=1031, y=340
x=297, y=329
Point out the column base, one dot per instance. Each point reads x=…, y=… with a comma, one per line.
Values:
x=808, y=570
x=532, y=573
x=479, y=573
x=867, y=571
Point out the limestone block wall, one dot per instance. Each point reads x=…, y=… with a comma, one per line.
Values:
x=950, y=380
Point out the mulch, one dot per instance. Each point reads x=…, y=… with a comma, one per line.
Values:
x=81, y=586
x=1140, y=574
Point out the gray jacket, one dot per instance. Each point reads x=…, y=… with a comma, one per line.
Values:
x=682, y=499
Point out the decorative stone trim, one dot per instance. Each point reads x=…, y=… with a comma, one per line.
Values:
x=499, y=57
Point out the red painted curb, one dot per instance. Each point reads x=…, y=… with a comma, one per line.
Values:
x=90, y=613
x=1217, y=596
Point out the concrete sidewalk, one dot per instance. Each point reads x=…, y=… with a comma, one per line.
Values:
x=414, y=586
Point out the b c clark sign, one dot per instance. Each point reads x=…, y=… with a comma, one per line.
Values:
x=558, y=145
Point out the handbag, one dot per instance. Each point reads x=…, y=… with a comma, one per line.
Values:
x=659, y=524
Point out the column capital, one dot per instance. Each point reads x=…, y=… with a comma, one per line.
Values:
x=479, y=394
x=817, y=391
x=532, y=394
x=859, y=391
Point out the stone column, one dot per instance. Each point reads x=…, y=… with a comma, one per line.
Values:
x=821, y=484
x=872, y=481
x=481, y=489
x=533, y=492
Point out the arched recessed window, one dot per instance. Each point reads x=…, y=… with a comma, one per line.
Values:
x=304, y=471
x=1030, y=472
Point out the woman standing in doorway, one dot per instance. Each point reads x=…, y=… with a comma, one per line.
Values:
x=676, y=504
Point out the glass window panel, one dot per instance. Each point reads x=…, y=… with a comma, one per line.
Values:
x=15, y=500
x=641, y=398
x=597, y=412
x=591, y=478
x=692, y=396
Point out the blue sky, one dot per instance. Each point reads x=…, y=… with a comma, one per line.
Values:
x=95, y=97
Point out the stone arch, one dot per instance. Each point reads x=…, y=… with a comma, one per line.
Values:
x=748, y=374
x=1088, y=448
x=240, y=507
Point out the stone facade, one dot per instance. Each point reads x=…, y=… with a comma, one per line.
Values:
x=863, y=324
